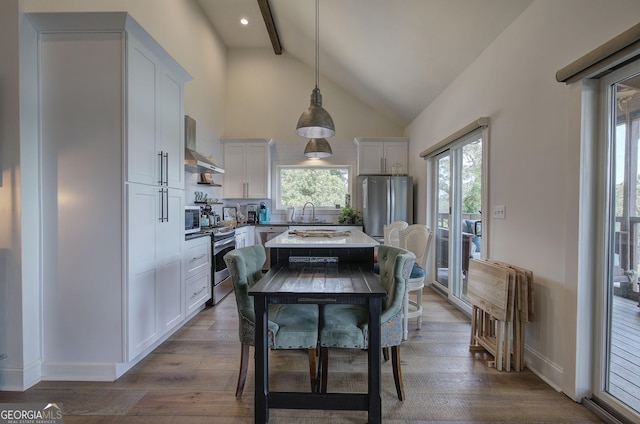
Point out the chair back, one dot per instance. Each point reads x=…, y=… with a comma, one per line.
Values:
x=416, y=238
x=245, y=268
x=395, y=267
x=392, y=233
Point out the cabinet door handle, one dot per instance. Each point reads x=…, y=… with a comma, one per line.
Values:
x=166, y=196
x=160, y=156
x=161, y=218
x=199, y=291
x=166, y=172
x=199, y=257
x=382, y=165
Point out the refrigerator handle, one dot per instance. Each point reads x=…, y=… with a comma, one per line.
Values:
x=390, y=202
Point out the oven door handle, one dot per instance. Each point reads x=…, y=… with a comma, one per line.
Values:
x=224, y=243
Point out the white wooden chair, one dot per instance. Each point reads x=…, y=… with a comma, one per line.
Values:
x=416, y=238
x=392, y=233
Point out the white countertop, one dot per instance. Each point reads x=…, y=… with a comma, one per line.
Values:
x=356, y=239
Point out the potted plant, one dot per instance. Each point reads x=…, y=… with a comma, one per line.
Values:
x=349, y=215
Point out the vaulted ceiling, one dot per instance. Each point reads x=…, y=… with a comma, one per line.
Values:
x=394, y=55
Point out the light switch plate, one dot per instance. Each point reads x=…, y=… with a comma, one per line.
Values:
x=499, y=212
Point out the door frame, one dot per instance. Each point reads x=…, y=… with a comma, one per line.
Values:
x=601, y=256
x=452, y=145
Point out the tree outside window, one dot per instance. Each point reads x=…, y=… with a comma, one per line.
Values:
x=325, y=187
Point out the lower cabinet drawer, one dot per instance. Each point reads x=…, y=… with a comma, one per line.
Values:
x=197, y=258
x=198, y=290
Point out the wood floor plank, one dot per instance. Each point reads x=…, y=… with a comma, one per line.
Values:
x=191, y=378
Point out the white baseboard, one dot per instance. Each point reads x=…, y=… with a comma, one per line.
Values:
x=102, y=371
x=20, y=379
x=550, y=372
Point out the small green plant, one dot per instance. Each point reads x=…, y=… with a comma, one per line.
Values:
x=350, y=216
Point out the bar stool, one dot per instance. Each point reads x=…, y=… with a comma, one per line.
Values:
x=415, y=238
x=391, y=238
x=392, y=233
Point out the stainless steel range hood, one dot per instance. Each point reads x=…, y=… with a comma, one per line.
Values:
x=194, y=161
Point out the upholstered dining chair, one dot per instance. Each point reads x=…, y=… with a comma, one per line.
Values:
x=290, y=326
x=346, y=326
x=417, y=239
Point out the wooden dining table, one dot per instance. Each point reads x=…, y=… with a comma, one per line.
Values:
x=318, y=281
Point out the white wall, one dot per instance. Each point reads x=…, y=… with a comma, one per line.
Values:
x=267, y=93
x=533, y=160
x=10, y=253
x=181, y=28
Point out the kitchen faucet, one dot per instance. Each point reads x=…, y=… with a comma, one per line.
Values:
x=313, y=211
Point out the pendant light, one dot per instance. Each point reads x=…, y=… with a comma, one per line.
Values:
x=318, y=148
x=315, y=122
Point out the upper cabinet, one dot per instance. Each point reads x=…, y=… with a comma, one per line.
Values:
x=388, y=155
x=247, y=164
x=155, y=152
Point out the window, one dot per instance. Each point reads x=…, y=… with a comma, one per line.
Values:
x=326, y=186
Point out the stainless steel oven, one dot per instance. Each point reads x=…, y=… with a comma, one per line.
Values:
x=223, y=241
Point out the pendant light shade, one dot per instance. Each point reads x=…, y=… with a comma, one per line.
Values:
x=315, y=122
x=318, y=148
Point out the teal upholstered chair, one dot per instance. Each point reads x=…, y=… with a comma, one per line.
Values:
x=290, y=326
x=346, y=326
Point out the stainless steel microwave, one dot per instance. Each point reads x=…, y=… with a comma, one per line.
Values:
x=191, y=219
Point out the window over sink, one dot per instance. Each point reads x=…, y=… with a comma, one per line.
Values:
x=324, y=186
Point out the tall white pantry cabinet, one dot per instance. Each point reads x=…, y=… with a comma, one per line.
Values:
x=112, y=170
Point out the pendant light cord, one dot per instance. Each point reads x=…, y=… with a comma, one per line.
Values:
x=317, y=42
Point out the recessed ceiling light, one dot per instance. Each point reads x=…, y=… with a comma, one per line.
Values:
x=244, y=21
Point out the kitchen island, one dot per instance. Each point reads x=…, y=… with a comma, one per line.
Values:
x=348, y=246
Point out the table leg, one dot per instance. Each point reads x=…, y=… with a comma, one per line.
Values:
x=261, y=404
x=375, y=384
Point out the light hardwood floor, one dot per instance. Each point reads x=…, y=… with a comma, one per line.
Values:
x=190, y=379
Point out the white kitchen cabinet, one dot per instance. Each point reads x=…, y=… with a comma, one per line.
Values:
x=155, y=284
x=155, y=98
x=197, y=265
x=241, y=237
x=251, y=235
x=383, y=155
x=115, y=285
x=247, y=165
x=245, y=236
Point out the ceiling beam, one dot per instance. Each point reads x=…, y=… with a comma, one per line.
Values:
x=271, y=25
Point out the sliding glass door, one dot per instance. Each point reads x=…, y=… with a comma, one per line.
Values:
x=443, y=217
x=618, y=353
x=456, y=190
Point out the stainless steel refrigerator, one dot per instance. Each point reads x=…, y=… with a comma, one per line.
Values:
x=385, y=199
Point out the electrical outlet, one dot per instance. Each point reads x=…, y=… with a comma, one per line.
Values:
x=499, y=212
